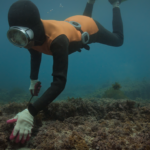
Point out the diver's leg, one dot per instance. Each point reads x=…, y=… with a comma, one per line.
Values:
x=116, y=37
x=89, y=8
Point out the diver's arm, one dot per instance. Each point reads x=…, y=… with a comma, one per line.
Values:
x=35, y=63
x=59, y=49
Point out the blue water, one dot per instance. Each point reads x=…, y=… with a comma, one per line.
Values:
x=95, y=67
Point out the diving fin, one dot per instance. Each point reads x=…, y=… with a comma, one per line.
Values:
x=113, y=1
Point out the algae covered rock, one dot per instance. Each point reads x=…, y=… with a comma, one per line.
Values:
x=114, y=92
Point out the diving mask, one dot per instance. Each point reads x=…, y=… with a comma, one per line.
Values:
x=20, y=36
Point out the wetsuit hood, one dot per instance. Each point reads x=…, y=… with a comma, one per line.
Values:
x=25, y=13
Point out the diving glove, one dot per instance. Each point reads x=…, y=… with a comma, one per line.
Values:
x=23, y=127
x=35, y=87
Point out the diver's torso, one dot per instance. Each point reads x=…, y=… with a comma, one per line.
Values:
x=55, y=29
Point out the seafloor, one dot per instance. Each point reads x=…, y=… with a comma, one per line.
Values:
x=83, y=124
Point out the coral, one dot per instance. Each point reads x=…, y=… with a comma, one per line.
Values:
x=113, y=93
x=116, y=86
x=115, y=115
x=77, y=142
x=3, y=141
x=75, y=107
x=1, y=113
x=132, y=90
x=5, y=130
x=13, y=107
x=83, y=124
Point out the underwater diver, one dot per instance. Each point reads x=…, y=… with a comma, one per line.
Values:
x=59, y=39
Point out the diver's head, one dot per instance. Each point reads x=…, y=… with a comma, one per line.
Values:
x=25, y=24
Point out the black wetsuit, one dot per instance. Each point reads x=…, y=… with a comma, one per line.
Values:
x=61, y=48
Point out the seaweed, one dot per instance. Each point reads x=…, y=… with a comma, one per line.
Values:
x=113, y=93
x=116, y=86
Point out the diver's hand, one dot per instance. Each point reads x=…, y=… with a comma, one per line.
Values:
x=24, y=124
x=35, y=87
